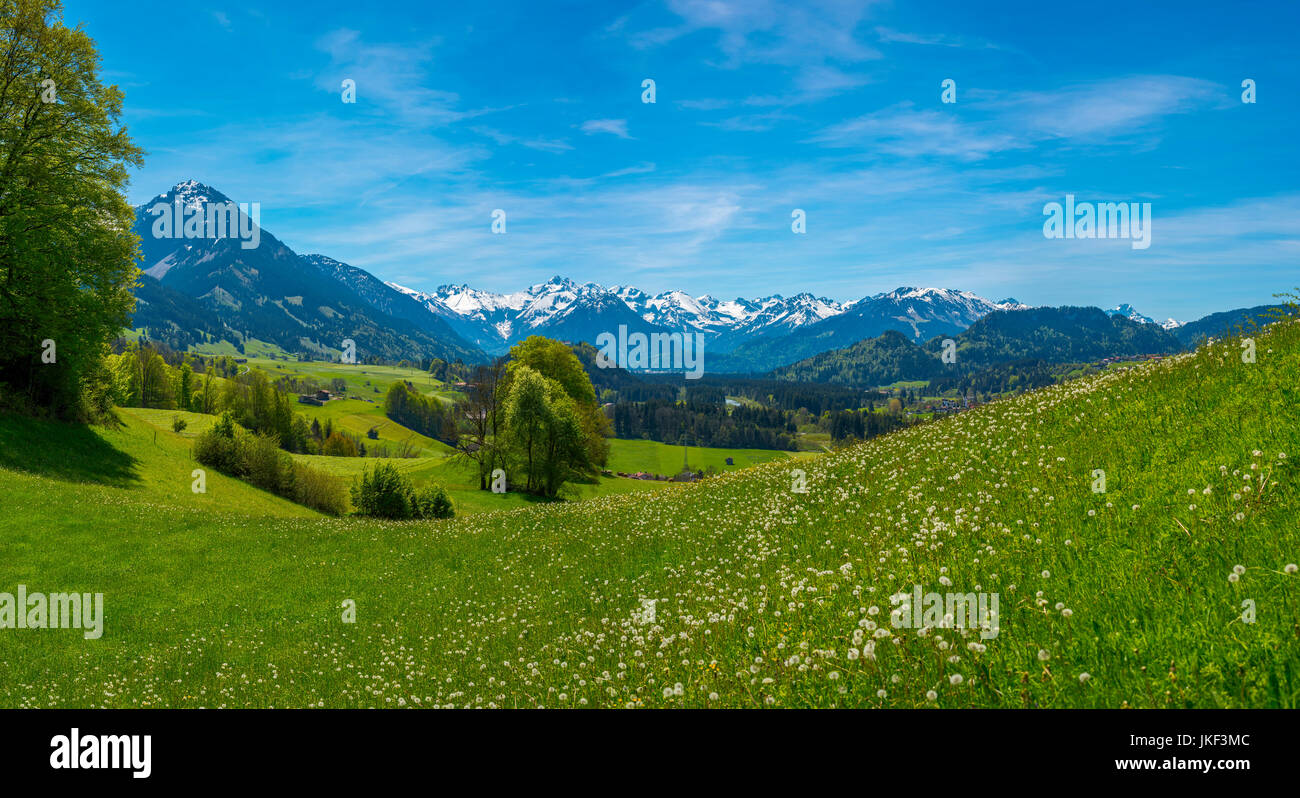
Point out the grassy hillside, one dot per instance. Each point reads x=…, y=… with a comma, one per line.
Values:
x=663, y=458
x=762, y=593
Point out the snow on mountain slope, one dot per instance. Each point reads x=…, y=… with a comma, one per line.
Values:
x=495, y=321
x=1129, y=312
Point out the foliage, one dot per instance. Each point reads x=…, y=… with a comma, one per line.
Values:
x=426, y=415
x=384, y=492
x=66, y=247
x=258, y=459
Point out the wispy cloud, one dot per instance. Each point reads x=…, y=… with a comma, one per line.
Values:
x=614, y=127
x=1000, y=121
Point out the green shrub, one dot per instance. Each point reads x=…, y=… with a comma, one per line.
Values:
x=339, y=445
x=217, y=448
x=384, y=492
x=318, y=490
x=259, y=460
x=268, y=467
x=178, y=424
x=433, y=502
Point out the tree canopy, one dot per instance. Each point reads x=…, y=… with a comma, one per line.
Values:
x=67, y=253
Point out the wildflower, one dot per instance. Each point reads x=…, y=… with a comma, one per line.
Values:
x=1043, y=656
x=931, y=695
x=1084, y=677
x=1239, y=569
x=956, y=678
x=1290, y=568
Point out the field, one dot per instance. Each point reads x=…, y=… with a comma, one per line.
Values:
x=1175, y=587
x=662, y=458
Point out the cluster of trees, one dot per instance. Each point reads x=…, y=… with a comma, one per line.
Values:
x=146, y=374
x=258, y=459
x=1020, y=375
x=384, y=492
x=705, y=424
x=846, y=426
x=427, y=415
x=535, y=416
x=453, y=372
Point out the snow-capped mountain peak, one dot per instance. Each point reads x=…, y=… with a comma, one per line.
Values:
x=1129, y=312
x=562, y=307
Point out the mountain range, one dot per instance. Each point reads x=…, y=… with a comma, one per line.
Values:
x=197, y=289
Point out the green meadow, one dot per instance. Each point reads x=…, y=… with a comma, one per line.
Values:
x=1169, y=583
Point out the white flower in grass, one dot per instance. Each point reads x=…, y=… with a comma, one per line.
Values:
x=1234, y=578
x=1239, y=569
x=956, y=678
x=1043, y=656
x=1084, y=677
x=1290, y=568
x=931, y=695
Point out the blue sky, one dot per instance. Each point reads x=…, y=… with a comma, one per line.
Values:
x=761, y=107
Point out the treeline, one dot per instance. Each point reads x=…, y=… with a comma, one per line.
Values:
x=705, y=424
x=1020, y=375
x=619, y=385
x=859, y=425
x=427, y=415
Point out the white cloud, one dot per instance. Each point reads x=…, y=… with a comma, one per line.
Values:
x=614, y=127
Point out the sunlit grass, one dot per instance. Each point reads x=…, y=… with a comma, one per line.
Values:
x=762, y=594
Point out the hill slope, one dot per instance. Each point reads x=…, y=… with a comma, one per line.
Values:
x=762, y=593
x=268, y=292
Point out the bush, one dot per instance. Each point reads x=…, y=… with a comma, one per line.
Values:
x=216, y=447
x=267, y=466
x=339, y=445
x=318, y=490
x=178, y=424
x=384, y=492
x=433, y=502
x=258, y=460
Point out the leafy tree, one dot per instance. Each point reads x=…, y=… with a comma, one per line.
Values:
x=67, y=253
x=558, y=362
x=544, y=434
